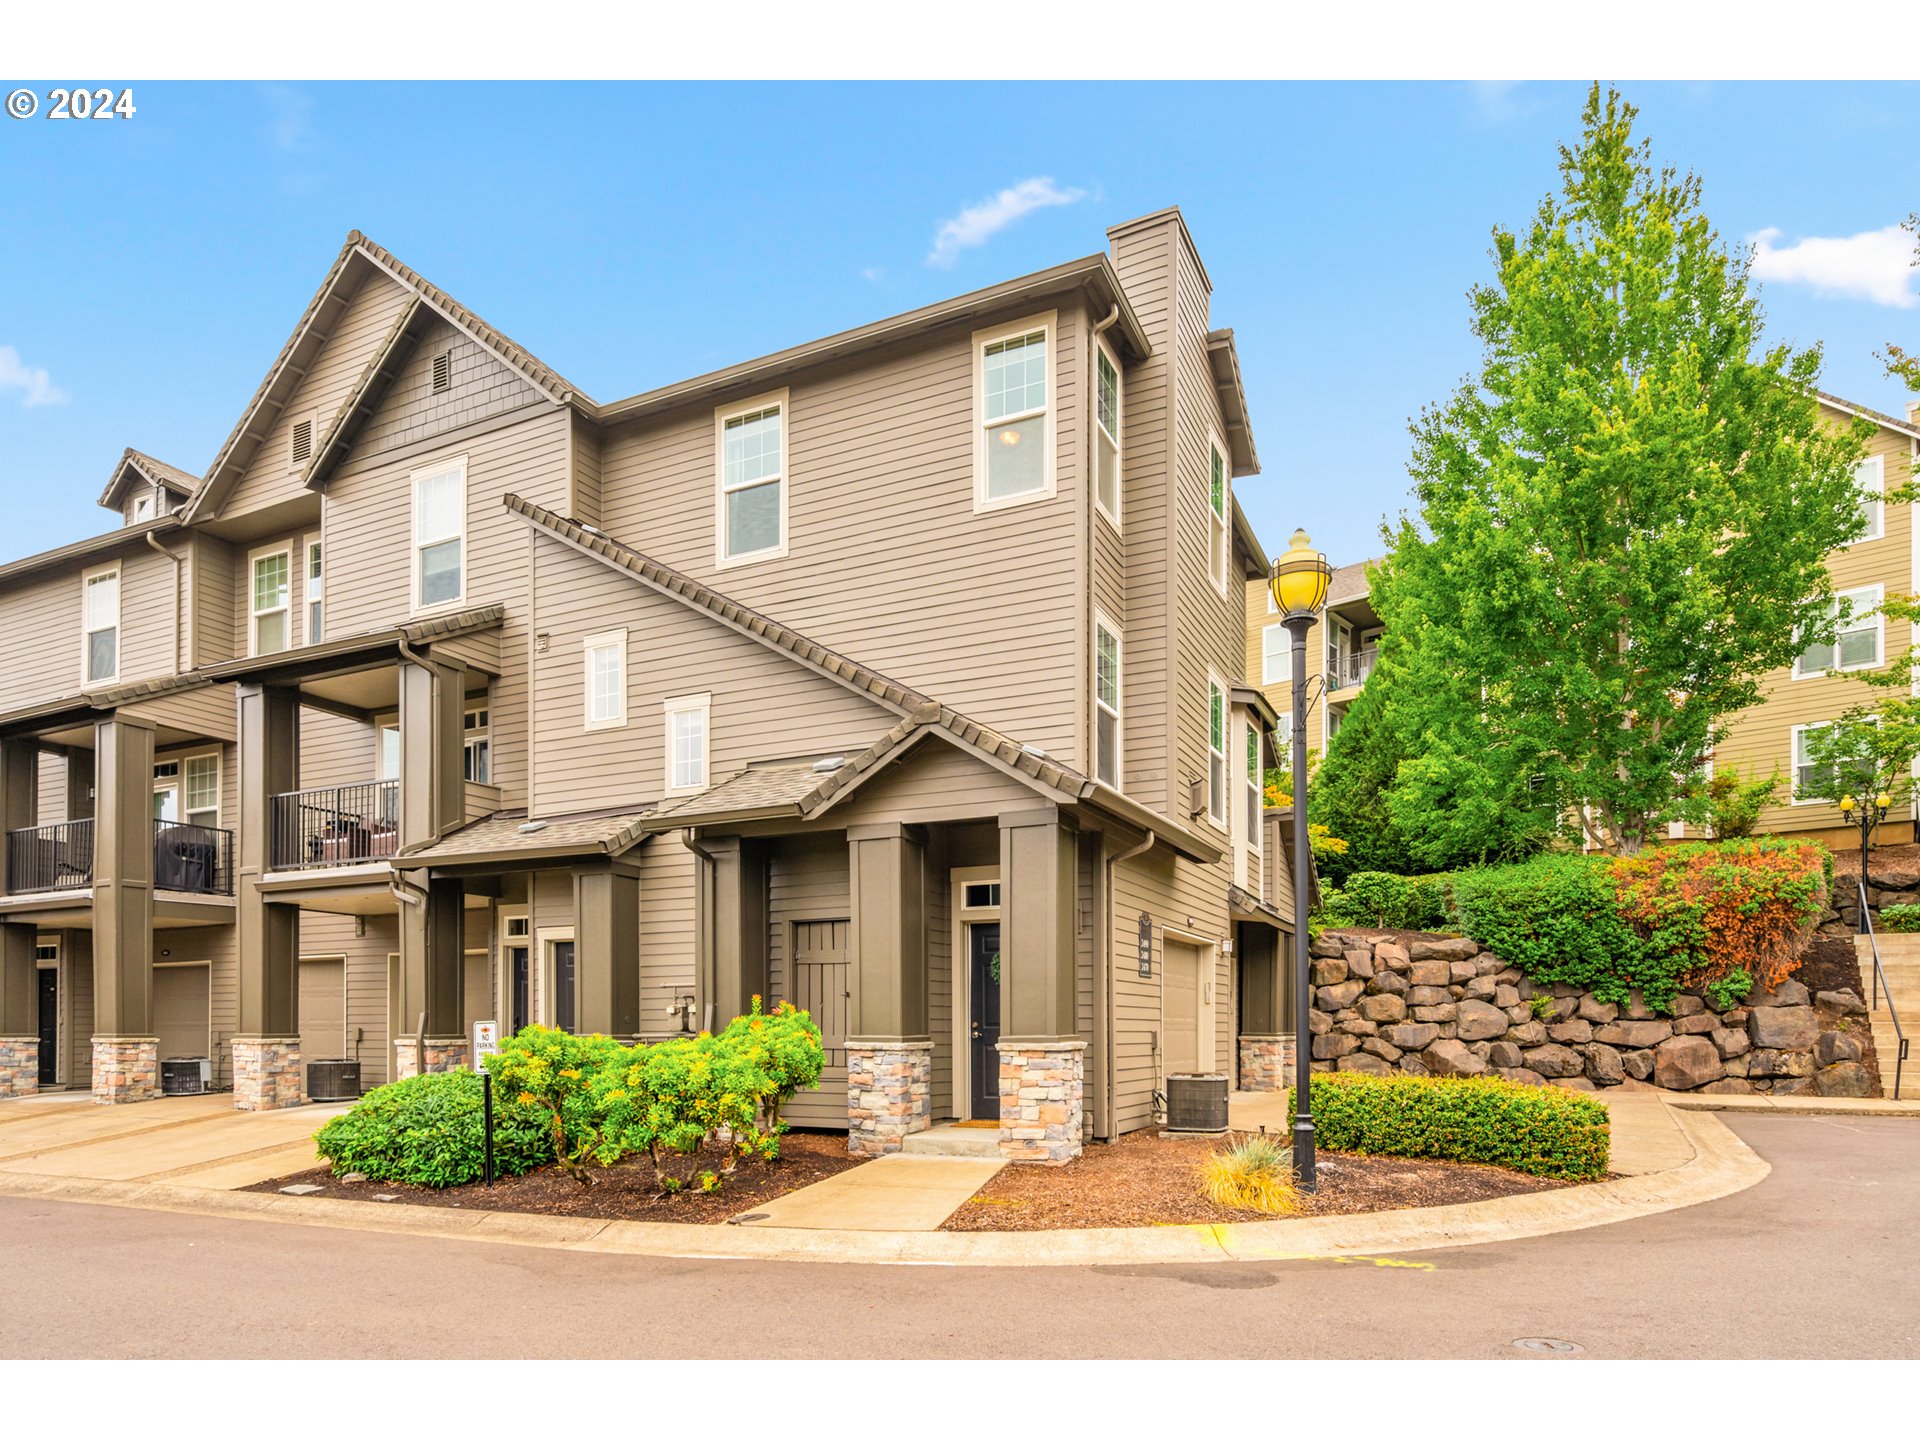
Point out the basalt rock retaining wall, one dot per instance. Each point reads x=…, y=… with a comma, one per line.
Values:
x=1429, y=1005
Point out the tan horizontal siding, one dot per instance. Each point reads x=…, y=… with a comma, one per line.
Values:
x=936, y=782
x=49, y=609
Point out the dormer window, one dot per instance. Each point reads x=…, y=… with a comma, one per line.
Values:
x=142, y=508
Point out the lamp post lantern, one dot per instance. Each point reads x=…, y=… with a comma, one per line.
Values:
x=1866, y=811
x=1299, y=585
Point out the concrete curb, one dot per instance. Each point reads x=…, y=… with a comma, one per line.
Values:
x=1790, y=1105
x=1722, y=1165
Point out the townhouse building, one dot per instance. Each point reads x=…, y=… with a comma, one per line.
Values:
x=899, y=675
x=1342, y=645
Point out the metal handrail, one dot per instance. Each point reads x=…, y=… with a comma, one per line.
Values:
x=50, y=857
x=1879, y=984
x=195, y=859
x=334, y=825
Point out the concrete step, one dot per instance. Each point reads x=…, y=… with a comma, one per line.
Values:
x=968, y=1141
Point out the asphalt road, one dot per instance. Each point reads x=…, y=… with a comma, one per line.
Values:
x=1816, y=1260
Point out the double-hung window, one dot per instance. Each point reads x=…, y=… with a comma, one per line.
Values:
x=1856, y=644
x=100, y=647
x=1106, y=702
x=1014, y=390
x=1217, y=515
x=316, y=593
x=1216, y=753
x=1870, y=475
x=201, y=776
x=1106, y=432
x=686, y=736
x=440, y=534
x=1276, y=655
x=606, y=680
x=476, y=745
x=752, y=518
x=270, y=602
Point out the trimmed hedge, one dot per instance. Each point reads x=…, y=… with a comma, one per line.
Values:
x=429, y=1130
x=1380, y=900
x=1534, y=1129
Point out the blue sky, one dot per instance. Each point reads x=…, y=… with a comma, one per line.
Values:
x=632, y=235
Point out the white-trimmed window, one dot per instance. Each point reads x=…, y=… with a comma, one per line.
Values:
x=440, y=534
x=100, y=642
x=1013, y=403
x=269, y=602
x=751, y=518
x=1276, y=655
x=387, y=748
x=1217, y=507
x=1106, y=701
x=316, y=591
x=1870, y=475
x=142, y=507
x=1252, y=797
x=200, y=789
x=1216, y=752
x=1106, y=432
x=686, y=735
x=1805, y=773
x=606, y=680
x=476, y=745
x=1857, y=644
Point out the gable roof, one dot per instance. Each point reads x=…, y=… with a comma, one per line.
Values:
x=1908, y=428
x=919, y=713
x=358, y=259
x=138, y=465
x=509, y=835
x=381, y=368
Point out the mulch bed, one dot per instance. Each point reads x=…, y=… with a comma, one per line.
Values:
x=625, y=1191
x=1142, y=1179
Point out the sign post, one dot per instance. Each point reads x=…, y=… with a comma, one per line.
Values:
x=486, y=1041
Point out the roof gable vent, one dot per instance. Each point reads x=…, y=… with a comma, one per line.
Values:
x=302, y=441
x=443, y=372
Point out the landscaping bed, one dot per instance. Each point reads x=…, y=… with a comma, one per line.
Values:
x=624, y=1191
x=1146, y=1179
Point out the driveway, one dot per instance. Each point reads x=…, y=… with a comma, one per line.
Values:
x=196, y=1140
x=1812, y=1261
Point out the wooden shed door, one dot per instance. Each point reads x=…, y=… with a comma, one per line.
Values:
x=821, y=986
x=1182, y=1008
x=323, y=1010
x=180, y=1011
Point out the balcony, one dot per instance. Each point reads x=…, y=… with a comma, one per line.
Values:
x=194, y=859
x=1350, y=671
x=339, y=825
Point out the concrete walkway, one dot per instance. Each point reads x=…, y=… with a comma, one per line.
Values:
x=194, y=1140
x=896, y=1193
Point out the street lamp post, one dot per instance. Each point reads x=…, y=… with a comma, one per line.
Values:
x=1866, y=812
x=1299, y=585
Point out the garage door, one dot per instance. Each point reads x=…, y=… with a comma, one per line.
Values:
x=180, y=1011
x=323, y=1010
x=1181, y=1009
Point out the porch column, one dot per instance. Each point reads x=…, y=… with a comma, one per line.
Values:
x=1266, y=1052
x=267, y=1073
x=19, y=999
x=736, y=928
x=126, y=1052
x=606, y=918
x=1042, y=1058
x=433, y=795
x=432, y=958
x=889, y=1049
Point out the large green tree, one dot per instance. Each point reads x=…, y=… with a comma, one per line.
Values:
x=1623, y=517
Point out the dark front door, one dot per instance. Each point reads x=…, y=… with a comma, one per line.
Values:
x=521, y=1017
x=983, y=949
x=49, y=1024
x=565, y=987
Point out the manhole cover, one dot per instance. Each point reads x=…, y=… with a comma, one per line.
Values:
x=1543, y=1346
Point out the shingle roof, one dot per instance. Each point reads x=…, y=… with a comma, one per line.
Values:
x=157, y=471
x=1349, y=582
x=507, y=833
x=1879, y=417
x=775, y=789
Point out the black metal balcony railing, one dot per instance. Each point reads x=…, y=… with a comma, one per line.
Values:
x=50, y=857
x=195, y=858
x=339, y=825
x=1354, y=667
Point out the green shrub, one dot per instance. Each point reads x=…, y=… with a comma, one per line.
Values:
x=429, y=1130
x=1385, y=901
x=1557, y=919
x=1729, y=990
x=547, y=1075
x=1537, y=1130
x=1903, y=918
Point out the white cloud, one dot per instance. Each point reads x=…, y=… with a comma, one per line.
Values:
x=36, y=387
x=289, y=116
x=979, y=223
x=1876, y=265
x=874, y=273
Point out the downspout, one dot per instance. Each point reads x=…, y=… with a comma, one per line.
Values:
x=177, y=564
x=1104, y=995
x=407, y=893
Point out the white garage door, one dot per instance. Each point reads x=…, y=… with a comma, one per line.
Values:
x=323, y=1010
x=180, y=1011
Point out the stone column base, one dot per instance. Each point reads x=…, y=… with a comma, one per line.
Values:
x=1042, y=1090
x=889, y=1094
x=1266, y=1063
x=19, y=1065
x=444, y=1053
x=267, y=1073
x=126, y=1068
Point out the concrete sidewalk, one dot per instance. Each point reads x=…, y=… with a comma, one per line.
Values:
x=895, y=1193
x=194, y=1140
